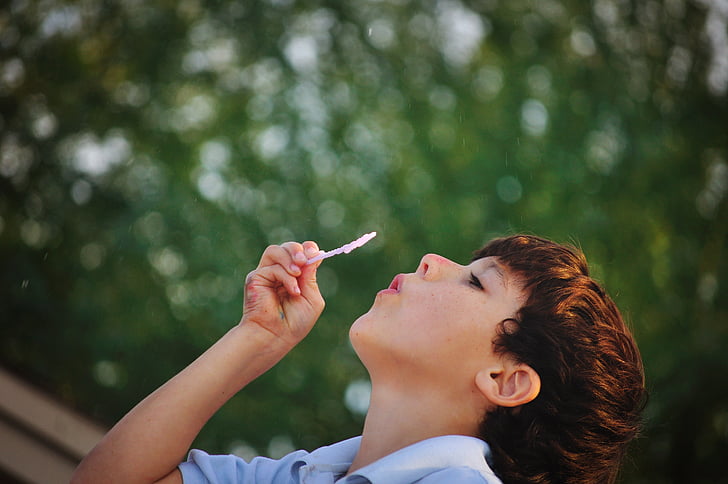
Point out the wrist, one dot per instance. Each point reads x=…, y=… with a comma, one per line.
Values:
x=261, y=336
x=256, y=346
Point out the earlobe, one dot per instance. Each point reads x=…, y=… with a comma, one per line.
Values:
x=509, y=386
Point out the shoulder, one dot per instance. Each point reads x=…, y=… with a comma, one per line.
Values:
x=461, y=475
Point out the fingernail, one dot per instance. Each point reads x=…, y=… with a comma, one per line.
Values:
x=311, y=252
x=294, y=268
x=300, y=257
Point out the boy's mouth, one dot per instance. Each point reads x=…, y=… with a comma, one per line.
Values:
x=396, y=282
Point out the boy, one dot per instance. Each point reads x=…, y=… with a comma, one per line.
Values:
x=514, y=368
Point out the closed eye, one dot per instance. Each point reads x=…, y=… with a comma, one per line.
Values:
x=475, y=282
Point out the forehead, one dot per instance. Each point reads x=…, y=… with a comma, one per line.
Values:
x=491, y=263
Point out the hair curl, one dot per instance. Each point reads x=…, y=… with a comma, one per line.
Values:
x=592, y=379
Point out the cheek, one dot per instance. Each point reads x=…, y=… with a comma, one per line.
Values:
x=433, y=303
x=437, y=319
x=444, y=308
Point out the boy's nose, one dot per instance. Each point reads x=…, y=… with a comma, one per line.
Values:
x=432, y=266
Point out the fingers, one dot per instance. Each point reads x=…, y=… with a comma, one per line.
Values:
x=273, y=276
x=285, y=264
x=291, y=254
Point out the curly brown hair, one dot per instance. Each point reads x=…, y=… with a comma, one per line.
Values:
x=592, y=379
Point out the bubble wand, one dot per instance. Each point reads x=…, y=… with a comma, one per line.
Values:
x=344, y=249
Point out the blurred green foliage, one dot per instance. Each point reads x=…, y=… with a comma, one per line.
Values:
x=150, y=150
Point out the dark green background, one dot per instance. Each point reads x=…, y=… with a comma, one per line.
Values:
x=151, y=150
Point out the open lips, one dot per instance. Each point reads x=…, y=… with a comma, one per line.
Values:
x=395, y=286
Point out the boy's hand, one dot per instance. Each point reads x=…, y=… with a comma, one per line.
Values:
x=281, y=294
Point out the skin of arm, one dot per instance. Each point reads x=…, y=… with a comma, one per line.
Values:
x=282, y=303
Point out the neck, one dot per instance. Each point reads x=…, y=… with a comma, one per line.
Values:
x=398, y=418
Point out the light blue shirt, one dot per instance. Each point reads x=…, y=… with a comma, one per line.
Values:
x=447, y=459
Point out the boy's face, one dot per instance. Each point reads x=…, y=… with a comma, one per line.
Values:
x=437, y=325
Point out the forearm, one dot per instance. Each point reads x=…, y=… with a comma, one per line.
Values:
x=153, y=438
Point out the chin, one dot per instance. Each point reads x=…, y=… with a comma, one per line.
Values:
x=361, y=335
x=356, y=330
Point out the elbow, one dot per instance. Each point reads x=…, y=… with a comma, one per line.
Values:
x=87, y=472
x=93, y=469
x=79, y=476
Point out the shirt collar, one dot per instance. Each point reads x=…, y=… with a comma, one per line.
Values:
x=423, y=458
x=403, y=466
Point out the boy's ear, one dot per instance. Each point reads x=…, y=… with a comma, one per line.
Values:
x=509, y=385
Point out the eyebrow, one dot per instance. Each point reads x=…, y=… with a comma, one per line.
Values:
x=499, y=270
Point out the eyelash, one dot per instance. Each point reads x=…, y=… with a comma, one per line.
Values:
x=474, y=281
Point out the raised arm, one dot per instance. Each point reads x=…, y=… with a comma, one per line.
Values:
x=282, y=302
